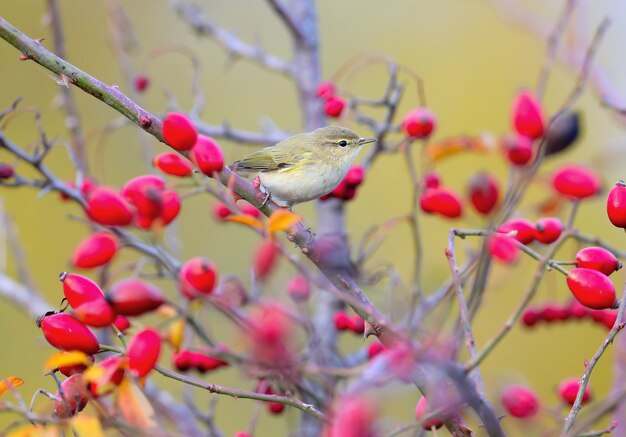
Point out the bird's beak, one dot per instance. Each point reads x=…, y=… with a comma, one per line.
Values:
x=363, y=141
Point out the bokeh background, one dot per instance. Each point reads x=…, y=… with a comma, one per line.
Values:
x=473, y=57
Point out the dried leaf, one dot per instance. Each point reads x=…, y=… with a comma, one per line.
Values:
x=10, y=382
x=134, y=406
x=85, y=425
x=245, y=219
x=464, y=143
x=282, y=220
x=61, y=359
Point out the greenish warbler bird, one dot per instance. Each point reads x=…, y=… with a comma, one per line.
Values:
x=306, y=166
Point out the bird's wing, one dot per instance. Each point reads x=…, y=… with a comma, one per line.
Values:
x=268, y=160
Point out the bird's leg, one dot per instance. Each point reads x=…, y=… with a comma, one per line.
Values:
x=261, y=191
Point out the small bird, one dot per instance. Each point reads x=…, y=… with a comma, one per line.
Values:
x=306, y=166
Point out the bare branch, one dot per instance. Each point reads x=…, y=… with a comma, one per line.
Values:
x=235, y=46
x=240, y=136
x=286, y=16
x=27, y=300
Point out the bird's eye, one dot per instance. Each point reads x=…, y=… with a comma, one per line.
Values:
x=343, y=143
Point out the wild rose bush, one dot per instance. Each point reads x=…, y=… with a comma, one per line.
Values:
x=111, y=335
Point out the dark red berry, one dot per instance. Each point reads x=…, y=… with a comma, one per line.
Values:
x=134, y=297
x=141, y=83
x=518, y=149
x=419, y=123
x=432, y=180
x=530, y=317
x=6, y=171
x=483, y=192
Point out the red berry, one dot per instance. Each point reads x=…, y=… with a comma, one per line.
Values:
x=607, y=318
x=79, y=289
x=182, y=360
x=145, y=193
x=616, y=205
x=75, y=368
x=134, y=297
x=221, y=211
x=503, y=248
x=548, y=230
x=141, y=83
x=171, y=206
x=577, y=310
x=242, y=434
x=265, y=258
x=520, y=401
x=6, y=171
x=74, y=397
x=576, y=182
x=173, y=164
x=114, y=369
x=591, y=288
x=419, y=123
x=527, y=115
x=525, y=229
x=597, y=258
x=250, y=210
x=143, y=351
x=94, y=251
x=207, y=155
x=422, y=410
x=530, y=317
x=108, y=208
x=375, y=348
x=67, y=333
x=205, y=363
x=299, y=288
x=355, y=176
x=357, y=325
x=97, y=313
x=342, y=321
x=432, y=180
x=179, y=132
x=518, y=149
x=334, y=105
x=441, y=201
x=483, y=192
x=551, y=313
x=121, y=323
x=568, y=390
x=197, y=277
x=326, y=89
x=275, y=407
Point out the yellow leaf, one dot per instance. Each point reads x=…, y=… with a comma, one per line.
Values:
x=34, y=431
x=10, y=382
x=60, y=359
x=245, y=219
x=134, y=406
x=176, y=333
x=282, y=220
x=93, y=374
x=85, y=425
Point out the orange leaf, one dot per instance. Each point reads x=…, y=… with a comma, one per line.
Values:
x=463, y=143
x=245, y=219
x=282, y=220
x=85, y=425
x=10, y=382
x=60, y=359
x=134, y=406
x=94, y=373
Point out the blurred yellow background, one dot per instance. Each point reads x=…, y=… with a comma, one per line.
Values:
x=472, y=58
